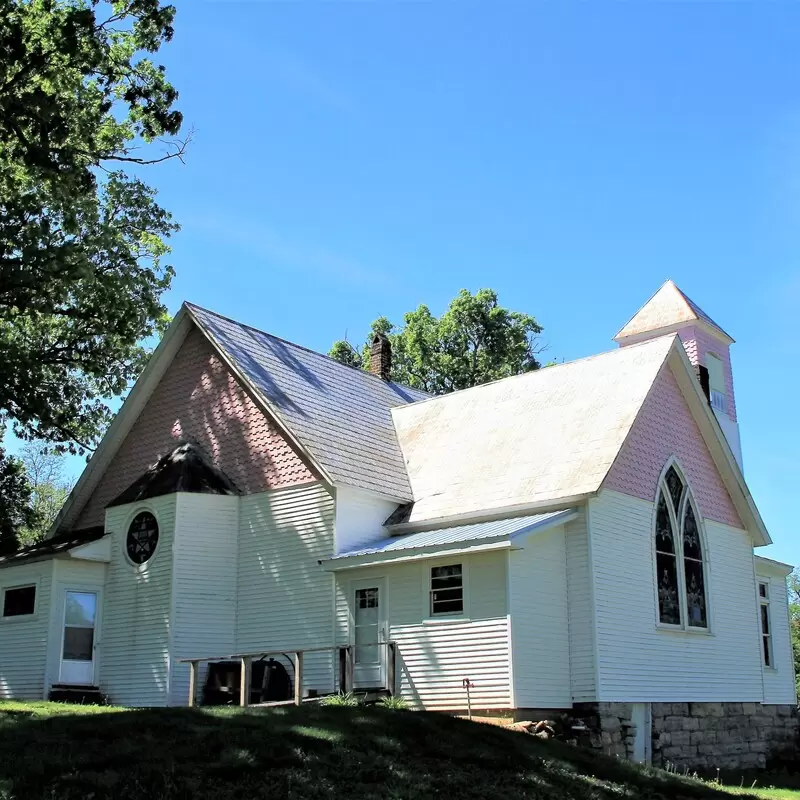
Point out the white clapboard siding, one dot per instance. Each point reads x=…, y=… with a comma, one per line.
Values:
x=284, y=598
x=639, y=662
x=204, y=584
x=540, y=621
x=359, y=518
x=581, y=611
x=779, y=679
x=435, y=656
x=76, y=575
x=23, y=640
x=134, y=659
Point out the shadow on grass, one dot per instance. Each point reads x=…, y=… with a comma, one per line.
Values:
x=310, y=752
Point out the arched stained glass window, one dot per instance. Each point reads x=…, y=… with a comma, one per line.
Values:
x=680, y=571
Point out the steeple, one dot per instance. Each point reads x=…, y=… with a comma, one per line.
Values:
x=669, y=310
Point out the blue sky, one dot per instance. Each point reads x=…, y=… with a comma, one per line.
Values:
x=352, y=159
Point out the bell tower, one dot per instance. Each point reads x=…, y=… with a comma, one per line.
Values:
x=669, y=310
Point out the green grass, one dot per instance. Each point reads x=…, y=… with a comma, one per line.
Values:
x=58, y=751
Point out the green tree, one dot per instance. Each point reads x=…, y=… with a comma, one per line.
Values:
x=16, y=507
x=476, y=340
x=83, y=109
x=50, y=487
x=793, y=586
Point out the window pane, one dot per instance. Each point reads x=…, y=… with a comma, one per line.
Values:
x=767, y=659
x=765, y=619
x=669, y=611
x=81, y=608
x=18, y=602
x=691, y=535
x=665, y=541
x=675, y=486
x=695, y=593
x=762, y=589
x=78, y=644
x=367, y=598
x=448, y=606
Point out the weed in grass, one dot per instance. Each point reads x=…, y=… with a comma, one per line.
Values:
x=342, y=699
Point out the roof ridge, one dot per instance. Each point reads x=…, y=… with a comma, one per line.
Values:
x=542, y=370
x=303, y=347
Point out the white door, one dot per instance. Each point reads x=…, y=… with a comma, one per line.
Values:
x=368, y=635
x=78, y=641
x=640, y=716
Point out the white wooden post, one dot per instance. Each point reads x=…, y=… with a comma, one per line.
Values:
x=244, y=693
x=298, y=678
x=192, y=683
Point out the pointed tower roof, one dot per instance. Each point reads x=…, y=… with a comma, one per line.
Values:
x=666, y=311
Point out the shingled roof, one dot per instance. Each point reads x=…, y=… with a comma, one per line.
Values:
x=340, y=415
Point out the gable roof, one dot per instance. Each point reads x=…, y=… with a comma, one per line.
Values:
x=186, y=469
x=428, y=544
x=545, y=437
x=668, y=309
x=340, y=415
x=53, y=546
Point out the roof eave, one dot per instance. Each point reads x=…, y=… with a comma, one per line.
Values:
x=779, y=567
x=664, y=330
x=490, y=515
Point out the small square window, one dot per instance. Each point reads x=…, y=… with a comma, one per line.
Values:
x=447, y=590
x=19, y=602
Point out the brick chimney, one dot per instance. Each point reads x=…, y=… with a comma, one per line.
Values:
x=380, y=357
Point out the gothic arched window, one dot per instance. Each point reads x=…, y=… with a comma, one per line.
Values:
x=680, y=571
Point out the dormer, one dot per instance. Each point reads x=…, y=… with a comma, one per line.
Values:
x=669, y=310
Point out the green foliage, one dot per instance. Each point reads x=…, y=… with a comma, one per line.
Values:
x=49, y=490
x=342, y=699
x=16, y=507
x=476, y=340
x=82, y=239
x=394, y=702
x=793, y=587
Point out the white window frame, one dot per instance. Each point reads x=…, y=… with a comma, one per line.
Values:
x=764, y=602
x=718, y=395
x=446, y=615
x=124, y=538
x=19, y=617
x=686, y=498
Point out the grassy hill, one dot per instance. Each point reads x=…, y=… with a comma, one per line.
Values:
x=53, y=751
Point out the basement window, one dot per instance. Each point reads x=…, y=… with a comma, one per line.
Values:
x=19, y=601
x=447, y=590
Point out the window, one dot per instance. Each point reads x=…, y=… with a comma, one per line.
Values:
x=19, y=602
x=766, y=629
x=680, y=568
x=142, y=538
x=718, y=394
x=447, y=590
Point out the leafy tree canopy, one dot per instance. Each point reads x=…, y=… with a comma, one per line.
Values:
x=16, y=507
x=476, y=340
x=83, y=109
x=82, y=238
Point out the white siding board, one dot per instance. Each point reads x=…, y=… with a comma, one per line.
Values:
x=24, y=641
x=581, y=611
x=134, y=649
x=434, y=656
x=637, y=662
x=540, y=621
x=359, y=518
x=779, y=686
x=204, y=584
x=284, y=597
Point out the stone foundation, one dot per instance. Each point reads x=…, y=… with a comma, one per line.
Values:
x=703, y=736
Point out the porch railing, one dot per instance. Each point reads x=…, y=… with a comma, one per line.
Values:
x=346, y=668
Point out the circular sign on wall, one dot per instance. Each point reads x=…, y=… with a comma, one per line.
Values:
x=142, y=537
